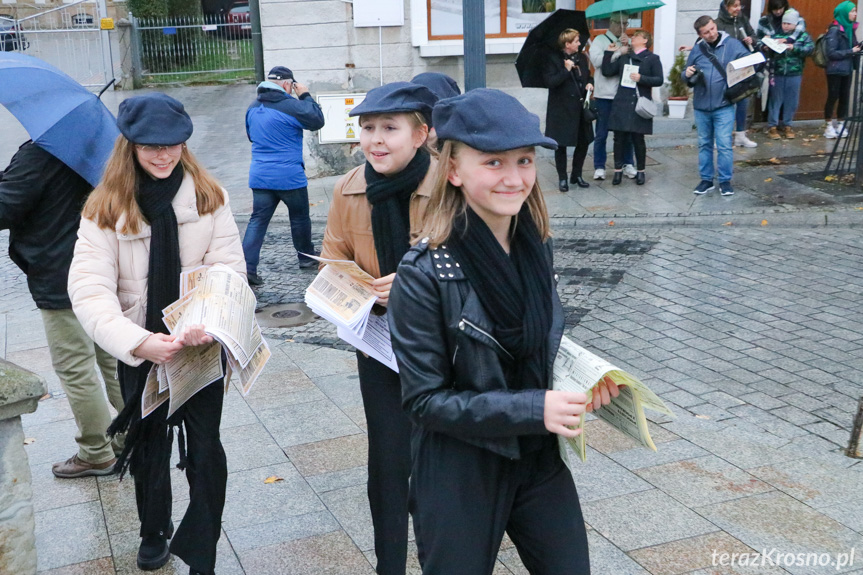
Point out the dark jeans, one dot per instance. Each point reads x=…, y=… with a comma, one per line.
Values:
x=740, y=113
x=578, y=156
x=264, y=205
x=838, y=89
x=464, y=497
x=389, y=432
x=627, y=140
x=603, y=107
x=206, y=471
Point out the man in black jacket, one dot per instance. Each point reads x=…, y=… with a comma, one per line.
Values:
x=40, y=204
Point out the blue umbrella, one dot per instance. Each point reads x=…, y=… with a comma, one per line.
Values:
x=60, y=115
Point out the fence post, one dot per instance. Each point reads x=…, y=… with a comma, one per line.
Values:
x=855, y=445
x=124, y=39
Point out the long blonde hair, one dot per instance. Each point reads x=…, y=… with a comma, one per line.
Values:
x=115, y=194
x=447, y=202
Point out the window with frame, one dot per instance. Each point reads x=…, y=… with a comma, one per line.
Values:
x=503, y=18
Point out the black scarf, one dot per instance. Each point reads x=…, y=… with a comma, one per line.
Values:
x=390, y=198
x=154, y=197
x=514, y=290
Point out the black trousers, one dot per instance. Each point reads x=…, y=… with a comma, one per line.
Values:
x=464, y=497
x=389, y=431
x=838, y=89
x=206, y=471
x=621, y=141
x=578, y=156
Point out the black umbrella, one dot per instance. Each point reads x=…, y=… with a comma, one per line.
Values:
x=542, y=41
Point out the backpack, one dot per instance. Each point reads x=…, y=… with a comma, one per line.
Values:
x=819, y=54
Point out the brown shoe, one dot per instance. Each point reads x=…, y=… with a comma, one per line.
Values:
x=789, y=133
x=773, y=133
x=75, y=467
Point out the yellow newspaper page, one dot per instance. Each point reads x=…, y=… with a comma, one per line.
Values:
x=152, y=397
x=339, y=297
x=578, y=370
x=249, y=374
x=349, y=267
x=190, y=279
x=192, y=369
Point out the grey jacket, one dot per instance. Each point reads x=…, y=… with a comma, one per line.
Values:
x=604, y=87
x=709, y=86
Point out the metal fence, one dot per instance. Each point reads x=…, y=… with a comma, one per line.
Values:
x=194, y=49
x=69, y=38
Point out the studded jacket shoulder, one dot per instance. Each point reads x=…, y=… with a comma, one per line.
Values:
x=450, y=365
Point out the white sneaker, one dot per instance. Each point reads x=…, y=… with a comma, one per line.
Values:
x=741, y=140
x=629, y=171
x=830, y=132
x=599, y=174
x=841, y=130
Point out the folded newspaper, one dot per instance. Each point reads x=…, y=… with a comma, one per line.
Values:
x=220, y=299
x=342, y=294
x=578, y=370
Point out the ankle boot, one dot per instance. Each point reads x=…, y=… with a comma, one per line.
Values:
x=581, y=183
x=618, y=177
x=153, y=552
x=639, y=178
x=563, y=186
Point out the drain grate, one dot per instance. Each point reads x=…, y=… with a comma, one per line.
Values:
x=284, y=315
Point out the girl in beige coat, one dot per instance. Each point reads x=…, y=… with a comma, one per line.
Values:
x=155, y=213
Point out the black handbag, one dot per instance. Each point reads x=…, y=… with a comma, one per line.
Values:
x=740, y=91
x=589, y=112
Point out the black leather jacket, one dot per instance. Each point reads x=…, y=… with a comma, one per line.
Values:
x=453, y=381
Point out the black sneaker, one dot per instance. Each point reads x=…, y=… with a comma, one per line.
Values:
x=308, y=263
x=153, y=553
x=725, y=189
x=254, y=279
x=703, y=187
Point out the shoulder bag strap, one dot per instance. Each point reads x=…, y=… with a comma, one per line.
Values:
x=713, y=60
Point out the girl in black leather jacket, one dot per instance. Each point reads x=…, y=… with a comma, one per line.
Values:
x=476, y=323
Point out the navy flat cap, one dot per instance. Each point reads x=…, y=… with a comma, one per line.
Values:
x=397, y=97
x=489, y=121
x=441, y=85
x=156, y=119
x=280, y=73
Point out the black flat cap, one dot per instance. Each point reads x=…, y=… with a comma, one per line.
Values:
x=397, y=97
x=441, y=85
x=489, y=121
x=156, y=119
x=280, y=73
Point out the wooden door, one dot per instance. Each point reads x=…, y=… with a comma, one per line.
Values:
x=813, y=93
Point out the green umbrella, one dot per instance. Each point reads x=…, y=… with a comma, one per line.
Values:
x=606, y=8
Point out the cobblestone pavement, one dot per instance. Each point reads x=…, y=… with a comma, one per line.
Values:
x=752, y=334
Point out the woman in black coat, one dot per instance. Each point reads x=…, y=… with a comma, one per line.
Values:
x=567, y=75
x=624, y=122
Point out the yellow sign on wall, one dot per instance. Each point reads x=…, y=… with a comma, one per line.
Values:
x=107, y=24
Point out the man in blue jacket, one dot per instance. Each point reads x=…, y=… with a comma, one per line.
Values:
x=714, y=114
x=274, y=124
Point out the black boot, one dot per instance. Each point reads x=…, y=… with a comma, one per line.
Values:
x=563, y=186
x=581, y=183
x=639, y=178
x=618, y=177
x=573, y=179
x=153, y=552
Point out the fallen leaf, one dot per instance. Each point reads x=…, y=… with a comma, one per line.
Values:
x=763, y=222
x=611, y=223
x=775, y=161
x=830, y=178
x=29, y=440
x=858, y=208
x=273, y=479
x=769, y=180
x=700, y=416
x=728, y=224
x=313, y=204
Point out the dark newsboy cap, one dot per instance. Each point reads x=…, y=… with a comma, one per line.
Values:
x=489, y=121
x=441, y=85
x=156, y=119
x=280, y=73
x=397, y=97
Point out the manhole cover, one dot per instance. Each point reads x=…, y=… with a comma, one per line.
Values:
x=285, y=315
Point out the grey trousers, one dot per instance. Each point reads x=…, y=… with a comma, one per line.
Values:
x=75, y=356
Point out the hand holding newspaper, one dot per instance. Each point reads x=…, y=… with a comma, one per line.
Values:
x=742, y=68
x=626, y=80
x=219, y=299
x=578, y=370
x=342, y=294
x=775, y=45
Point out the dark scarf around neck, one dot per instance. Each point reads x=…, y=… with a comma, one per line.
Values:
x=390, y=198
x=515, y=290
x=154, y=197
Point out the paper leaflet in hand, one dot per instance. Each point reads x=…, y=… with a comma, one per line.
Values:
x=578, y=370
x=742, y=68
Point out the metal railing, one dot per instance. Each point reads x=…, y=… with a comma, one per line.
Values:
x=194, y=49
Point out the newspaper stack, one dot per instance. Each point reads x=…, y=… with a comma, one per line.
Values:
x=578, y=370
x=342, y=294
x=220, y=299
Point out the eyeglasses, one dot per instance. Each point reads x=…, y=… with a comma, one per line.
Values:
x=151, y=150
